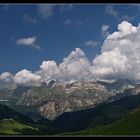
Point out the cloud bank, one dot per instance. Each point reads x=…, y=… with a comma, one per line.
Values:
x=119, y=58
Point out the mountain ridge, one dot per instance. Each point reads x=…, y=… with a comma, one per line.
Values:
x=52, y=99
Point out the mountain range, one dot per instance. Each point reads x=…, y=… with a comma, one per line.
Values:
x=58, y=108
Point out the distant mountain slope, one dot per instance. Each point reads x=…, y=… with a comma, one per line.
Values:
x=128, y=125
x=7, y=113
x=100, y=115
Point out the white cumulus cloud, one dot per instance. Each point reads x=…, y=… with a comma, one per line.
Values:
x=120, y=53
x=29, y=41
x=119, y=58
x=49, y=70
x=124, y=29
x=110, y=64
x=6, y=77
x=25, y=77
x=75, y=66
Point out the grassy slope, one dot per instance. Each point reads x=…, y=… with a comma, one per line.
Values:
x=129, y=125
x=10, y=126
x=13, y=122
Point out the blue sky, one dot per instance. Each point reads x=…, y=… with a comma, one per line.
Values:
x=54, y=31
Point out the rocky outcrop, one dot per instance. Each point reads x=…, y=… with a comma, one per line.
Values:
x=30, y=98
x=49, y=110
x=136, y=90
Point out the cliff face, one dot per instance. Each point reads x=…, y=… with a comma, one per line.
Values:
x=49, y=110
x=52, y=102
x=58, y=98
